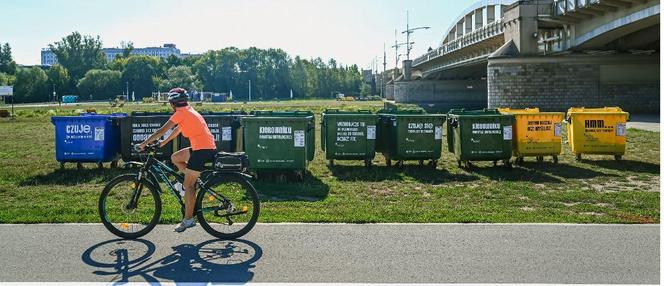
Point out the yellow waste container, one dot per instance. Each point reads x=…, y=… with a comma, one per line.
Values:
x=597, y=131
x=536, y=134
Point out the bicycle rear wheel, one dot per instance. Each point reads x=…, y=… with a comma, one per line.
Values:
x=129, y=208
x=228, y=206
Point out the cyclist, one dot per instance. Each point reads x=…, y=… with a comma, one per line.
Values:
x=190, y=161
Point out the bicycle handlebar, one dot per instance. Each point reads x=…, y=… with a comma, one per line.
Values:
x=148, y=148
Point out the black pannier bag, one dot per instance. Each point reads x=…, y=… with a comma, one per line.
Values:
x=225, y=161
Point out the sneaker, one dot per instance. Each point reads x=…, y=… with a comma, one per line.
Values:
x=185, y=224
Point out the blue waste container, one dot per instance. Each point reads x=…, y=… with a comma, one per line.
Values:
x=88, y=138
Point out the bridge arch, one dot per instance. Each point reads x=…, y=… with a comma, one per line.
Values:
x=480, y=14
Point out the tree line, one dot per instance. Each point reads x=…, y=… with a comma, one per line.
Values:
x=83, y=70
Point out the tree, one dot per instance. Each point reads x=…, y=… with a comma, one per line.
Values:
x=180, y=77
x=7, y=64
x=140, y=72
x=219, y=70
x=79, y=54
x=30, y=85
x=58, y=77
x=101, y=84
x=365, y=90
x=6, y=79
x=127, y=48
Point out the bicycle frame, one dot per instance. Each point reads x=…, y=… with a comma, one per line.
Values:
x=153, y=167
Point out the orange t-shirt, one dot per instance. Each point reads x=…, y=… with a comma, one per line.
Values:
x=193, y=127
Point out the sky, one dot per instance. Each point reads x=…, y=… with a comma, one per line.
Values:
x=352, y=32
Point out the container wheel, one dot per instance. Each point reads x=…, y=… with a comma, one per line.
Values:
x=331, y=162
x=540, y=159
x=507, y=163
x=368, y=163
x=79, y=166
x=433, y=164
x=518, y=160
x=100, y=165
x=578, y=157
x=618, y=157
x=62, y=165
x=421, y=163
x=114, y=164
x=299, y=175
x=388, y=162
x=555, y=159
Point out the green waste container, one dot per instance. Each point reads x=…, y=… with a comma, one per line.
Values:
x=137, y=127
x=348, y=135
x=310, y=133
x=224, y=126
x=279, y=141
x=410, y=135
x=480, y=135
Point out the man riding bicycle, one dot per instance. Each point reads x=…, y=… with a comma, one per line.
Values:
x=190, y=161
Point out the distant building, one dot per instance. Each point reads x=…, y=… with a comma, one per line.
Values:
x=48, y=58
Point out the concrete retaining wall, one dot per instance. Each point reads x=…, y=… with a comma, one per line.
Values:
x=557, y=83
x=470, y=94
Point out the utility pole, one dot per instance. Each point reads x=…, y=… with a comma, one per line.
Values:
x=408, y=31
x=249, y=90
x=382, y=75
x=396, y=49
x=127, y=99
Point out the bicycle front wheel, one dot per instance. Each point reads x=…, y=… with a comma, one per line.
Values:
x=129, y=208
x=228, y=206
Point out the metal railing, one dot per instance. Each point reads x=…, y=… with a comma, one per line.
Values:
x=486, y=32
x=562, y=7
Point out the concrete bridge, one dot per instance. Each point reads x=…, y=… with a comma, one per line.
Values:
x=541, y=53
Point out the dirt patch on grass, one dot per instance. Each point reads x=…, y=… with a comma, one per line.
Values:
x=640, y=184
x=630, y=183
x=636, y=218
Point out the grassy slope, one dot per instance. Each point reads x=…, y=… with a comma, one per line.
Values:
x=598, y=190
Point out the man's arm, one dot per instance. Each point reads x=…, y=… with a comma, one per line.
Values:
x=157, y=134
x=174, y=134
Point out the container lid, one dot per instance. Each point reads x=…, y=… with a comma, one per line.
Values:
x=483, y=112
x=403, y=111
x=286, y=113
x=277, y=118
x=595, y=110
x=337, y=111
x=149, y=113
x=234, y=112
x=519, y=110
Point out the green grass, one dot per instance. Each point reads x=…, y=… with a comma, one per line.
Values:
x=597, y=190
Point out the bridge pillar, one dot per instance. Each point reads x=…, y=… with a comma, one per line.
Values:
x=407, y=69
x=557, y=83
x=520, y=25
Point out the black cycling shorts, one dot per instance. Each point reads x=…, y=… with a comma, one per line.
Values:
x=198, y=158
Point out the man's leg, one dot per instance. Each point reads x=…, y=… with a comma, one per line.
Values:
x=190, y=177
x=180, y=159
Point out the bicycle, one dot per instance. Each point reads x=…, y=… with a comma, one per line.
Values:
x=130, y=204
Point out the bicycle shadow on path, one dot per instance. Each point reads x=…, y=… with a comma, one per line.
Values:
x=214, y=260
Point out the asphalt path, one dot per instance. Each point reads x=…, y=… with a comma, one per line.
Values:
x=372, y=253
